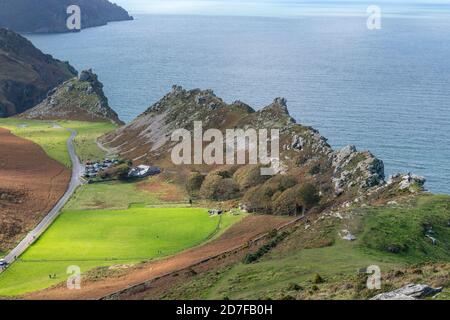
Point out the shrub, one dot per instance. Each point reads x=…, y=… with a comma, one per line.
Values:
x=317, y=279
x=253, y=257
x=294, y=287
x=117, y=172
x=194, y=183
x=309, y=196
x=260, y=198
x=249, y=176
x=315, y=169
x=217, y=188
x=122, y=171
x=288, y=203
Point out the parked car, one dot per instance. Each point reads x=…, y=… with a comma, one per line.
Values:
x=3, y=264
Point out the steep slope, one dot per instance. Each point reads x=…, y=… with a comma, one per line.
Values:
x=23, y=204
x=80, y=98
x=305, y=154
x=49, y=16
x=26, y=74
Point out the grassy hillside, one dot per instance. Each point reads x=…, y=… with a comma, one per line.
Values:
x=52, y=136
x=406, y=229
x=290, y=271
x=106, y=237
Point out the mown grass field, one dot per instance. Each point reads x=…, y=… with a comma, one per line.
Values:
x=120, y=195
x=338, y=262
x=52, y=136
x=108, y=237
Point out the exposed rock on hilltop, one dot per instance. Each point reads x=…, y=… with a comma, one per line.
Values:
x=48, y=16
x=305, y=154
x=26, y=74
x=80, y=98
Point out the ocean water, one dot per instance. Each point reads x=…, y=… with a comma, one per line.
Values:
x=387, y=91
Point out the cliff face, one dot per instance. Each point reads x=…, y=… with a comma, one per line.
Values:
x=80, y=98
x=304, y=153
x=49, y=16
x=26, y=74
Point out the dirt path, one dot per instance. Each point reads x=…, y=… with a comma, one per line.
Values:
x=239, y=234
x=31, y=183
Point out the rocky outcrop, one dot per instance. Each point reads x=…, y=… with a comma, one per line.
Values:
x=50, y=16
x=353, y=169
x=407, y=182
x=26, y=74
x=80, y=99
x=303, y=149
x=409, y=292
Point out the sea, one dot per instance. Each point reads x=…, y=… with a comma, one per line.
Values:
x=385, y=90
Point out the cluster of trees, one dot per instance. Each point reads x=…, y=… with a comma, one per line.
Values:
x=279, y=194
x=119, y=171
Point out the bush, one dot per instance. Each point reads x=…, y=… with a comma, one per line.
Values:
x=194, y=183
x=122, y=170
x=253, y=257
x=315, y=169
x=288, y=203
x=309, y=196
x=217, y=188
x=249, y=176
x=317, y=279
x=294, y=287
x=117, y=172
x=260, y=198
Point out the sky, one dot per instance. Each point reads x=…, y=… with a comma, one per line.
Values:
x=259, y=7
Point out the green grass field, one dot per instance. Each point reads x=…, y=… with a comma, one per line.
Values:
x=109, y=237
x=85, y=142
x=122, y=195
x=53, y=138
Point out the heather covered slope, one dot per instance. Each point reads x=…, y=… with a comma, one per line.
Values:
x=48, y=16
x=26, y=74
x=79, y=99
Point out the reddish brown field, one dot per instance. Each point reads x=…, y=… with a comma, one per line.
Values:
x=30, y=185
x=239, y=234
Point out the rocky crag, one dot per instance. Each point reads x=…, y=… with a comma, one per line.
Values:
x=49, y=16
x=81, y=98
x=26, y=74
x=305, y=154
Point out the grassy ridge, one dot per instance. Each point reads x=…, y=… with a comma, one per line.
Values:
x=91, y=239
x=53, y=138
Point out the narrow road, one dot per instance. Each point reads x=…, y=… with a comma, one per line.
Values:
x=75, y=181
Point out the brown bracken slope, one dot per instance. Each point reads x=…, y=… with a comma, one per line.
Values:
x=30, y=185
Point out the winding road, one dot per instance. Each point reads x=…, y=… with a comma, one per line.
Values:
x=75, y=181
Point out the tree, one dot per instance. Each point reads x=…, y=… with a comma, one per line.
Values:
x=122, y=171
x=309, y=196
x=194, y=183
x=217, y=188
